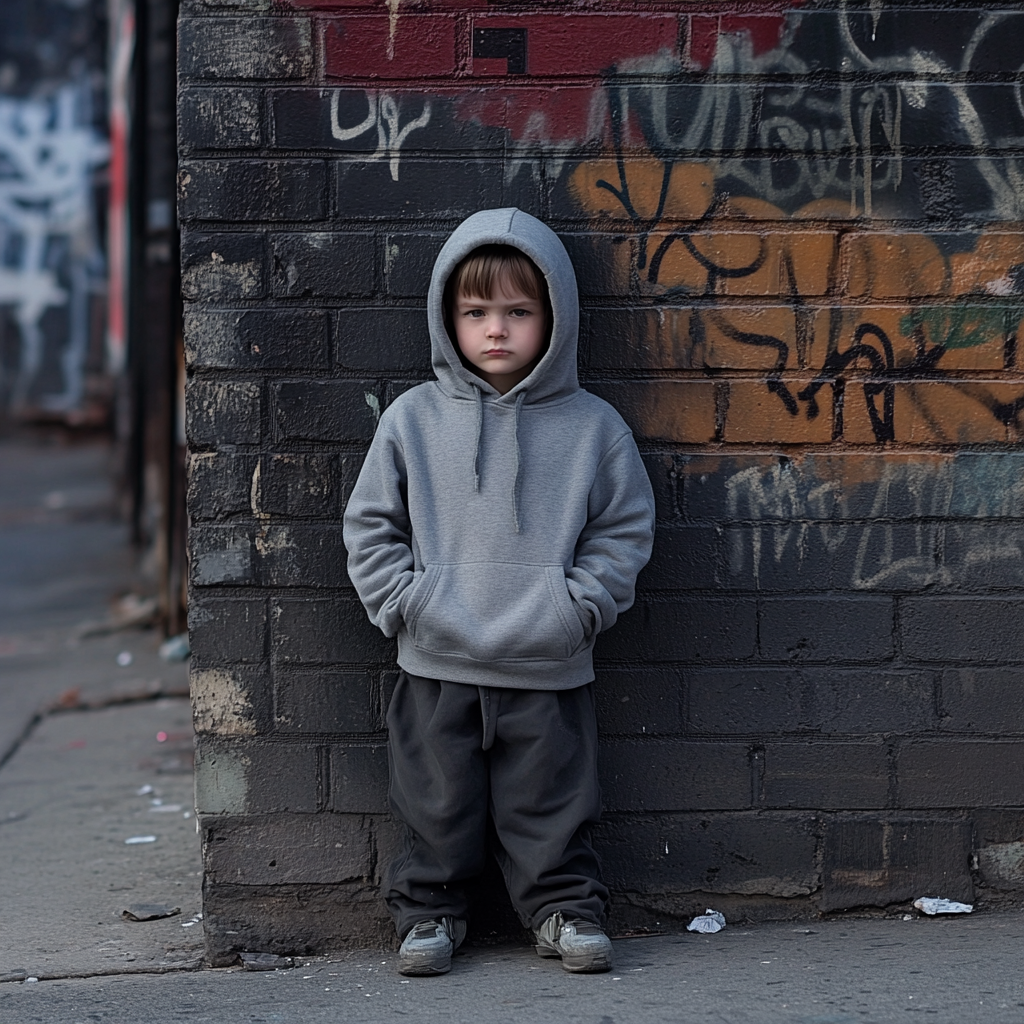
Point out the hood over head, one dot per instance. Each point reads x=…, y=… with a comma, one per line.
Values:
x=555, y=375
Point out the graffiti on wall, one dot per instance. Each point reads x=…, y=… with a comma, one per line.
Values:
x=51, y=256
x=381, y=115
x=52, y=156
x=905, y=524
x=823, y=310
x=752, y=207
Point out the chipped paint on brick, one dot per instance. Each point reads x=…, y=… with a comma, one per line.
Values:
x=219, y=279
x=274, y=540
x=230, y=563
x=1002, y=864
x=220, y=703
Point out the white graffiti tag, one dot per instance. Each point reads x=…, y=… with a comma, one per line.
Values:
x=48, y=151
x=893, y=532
x=827, y=124
x=382, y=115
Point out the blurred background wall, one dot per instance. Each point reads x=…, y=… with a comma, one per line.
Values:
x=54, y=155
x=89, y=311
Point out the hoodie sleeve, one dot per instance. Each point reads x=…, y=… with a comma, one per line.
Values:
x=616, y=542
x=377, y=534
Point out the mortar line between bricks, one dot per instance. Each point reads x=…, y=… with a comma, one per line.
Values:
x=819, y=78
x=704, y=153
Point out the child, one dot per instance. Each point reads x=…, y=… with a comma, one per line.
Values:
x=497, y=526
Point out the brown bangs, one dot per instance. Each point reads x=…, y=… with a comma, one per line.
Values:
x=477, y=274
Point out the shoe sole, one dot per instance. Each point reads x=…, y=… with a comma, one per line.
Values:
x=424, y=969
x=591, y=965
x=579, y=965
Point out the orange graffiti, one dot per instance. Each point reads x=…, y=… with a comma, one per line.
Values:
x=856, y=336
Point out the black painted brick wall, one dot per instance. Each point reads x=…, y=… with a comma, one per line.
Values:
x=817, y=701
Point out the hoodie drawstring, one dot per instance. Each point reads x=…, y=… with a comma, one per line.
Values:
x=517, y=455
x=518, y=462
x=479, y=434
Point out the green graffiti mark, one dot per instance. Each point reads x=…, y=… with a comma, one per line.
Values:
x=962, y=326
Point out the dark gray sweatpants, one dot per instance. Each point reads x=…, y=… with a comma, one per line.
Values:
x=526, y=758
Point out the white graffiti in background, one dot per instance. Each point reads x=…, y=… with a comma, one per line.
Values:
x=48, y=152
x=382, y=115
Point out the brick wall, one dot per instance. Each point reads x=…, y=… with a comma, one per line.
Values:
x=797, y=236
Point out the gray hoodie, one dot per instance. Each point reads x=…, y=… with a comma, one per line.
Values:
x=497, y=535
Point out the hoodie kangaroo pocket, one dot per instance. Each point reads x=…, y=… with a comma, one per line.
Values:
x=496, y=611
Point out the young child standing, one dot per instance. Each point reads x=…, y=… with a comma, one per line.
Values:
x=496, y=528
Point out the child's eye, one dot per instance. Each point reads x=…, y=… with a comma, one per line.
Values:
x=519, y=312
x=476, y=313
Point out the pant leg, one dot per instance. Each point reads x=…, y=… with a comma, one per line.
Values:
x=545, y=797
x=439, y=790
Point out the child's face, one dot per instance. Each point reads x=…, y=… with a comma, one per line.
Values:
x=502, y=336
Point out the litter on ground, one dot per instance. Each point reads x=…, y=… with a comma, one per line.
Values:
x=149, y=911
x=708, y=923
x=175, y=649
x=265, y=961
x=931, y=906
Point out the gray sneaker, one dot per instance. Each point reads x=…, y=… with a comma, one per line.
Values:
x=582, y=946
x=428, y=948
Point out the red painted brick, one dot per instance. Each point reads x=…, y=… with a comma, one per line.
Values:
x=764, y=31
x=703, y=39
x=375, y=5
x=423, y=46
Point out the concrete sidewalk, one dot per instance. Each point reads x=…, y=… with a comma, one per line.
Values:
x=75, y=791
x=81, y=787
x=79, y=719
